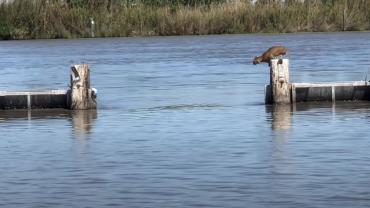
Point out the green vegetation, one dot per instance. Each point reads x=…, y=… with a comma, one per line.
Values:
x=71, y=18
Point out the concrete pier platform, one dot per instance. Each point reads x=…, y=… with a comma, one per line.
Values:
x=330, y=92
x=80, y=95
x=347, y=91
x=281, y=91
x=34, y=99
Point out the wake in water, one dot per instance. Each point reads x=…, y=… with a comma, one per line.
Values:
x=185, y=107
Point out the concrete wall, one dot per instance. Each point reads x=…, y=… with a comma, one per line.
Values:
x=34, y=100
x=306, y=92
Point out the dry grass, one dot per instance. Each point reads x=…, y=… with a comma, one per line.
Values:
x=39, y=19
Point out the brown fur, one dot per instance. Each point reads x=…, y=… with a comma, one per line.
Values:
x=271, y=53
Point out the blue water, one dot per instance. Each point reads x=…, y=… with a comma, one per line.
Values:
x=181, y=122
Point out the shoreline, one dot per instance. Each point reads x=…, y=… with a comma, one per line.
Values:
x=57, y=20
x=174, y=36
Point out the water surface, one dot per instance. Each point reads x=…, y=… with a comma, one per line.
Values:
x=181, y=122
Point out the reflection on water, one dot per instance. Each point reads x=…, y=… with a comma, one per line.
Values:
x=338, y=106
x=185, y=107
x=281, y=116
x=82, y=121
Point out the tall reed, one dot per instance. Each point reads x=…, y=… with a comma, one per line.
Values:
x=113, y=18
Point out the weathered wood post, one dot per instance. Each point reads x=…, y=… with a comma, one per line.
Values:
x=279, y=81
x=82, y=96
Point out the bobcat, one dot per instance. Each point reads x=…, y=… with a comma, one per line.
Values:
x=271, y=53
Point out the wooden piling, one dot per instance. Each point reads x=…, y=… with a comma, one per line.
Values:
x=279, y=81
x=82, y=96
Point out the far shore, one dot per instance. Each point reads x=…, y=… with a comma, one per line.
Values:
x=173, y=36
x=22, y=20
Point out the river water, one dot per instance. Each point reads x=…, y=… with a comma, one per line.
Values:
x=181, y=122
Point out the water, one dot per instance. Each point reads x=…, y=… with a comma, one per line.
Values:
x=181, y=122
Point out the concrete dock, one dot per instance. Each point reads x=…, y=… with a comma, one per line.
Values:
x=281, y=91
x=78, y=97
x=34, y=100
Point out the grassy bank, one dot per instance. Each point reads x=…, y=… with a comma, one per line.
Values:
x=113, y=18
